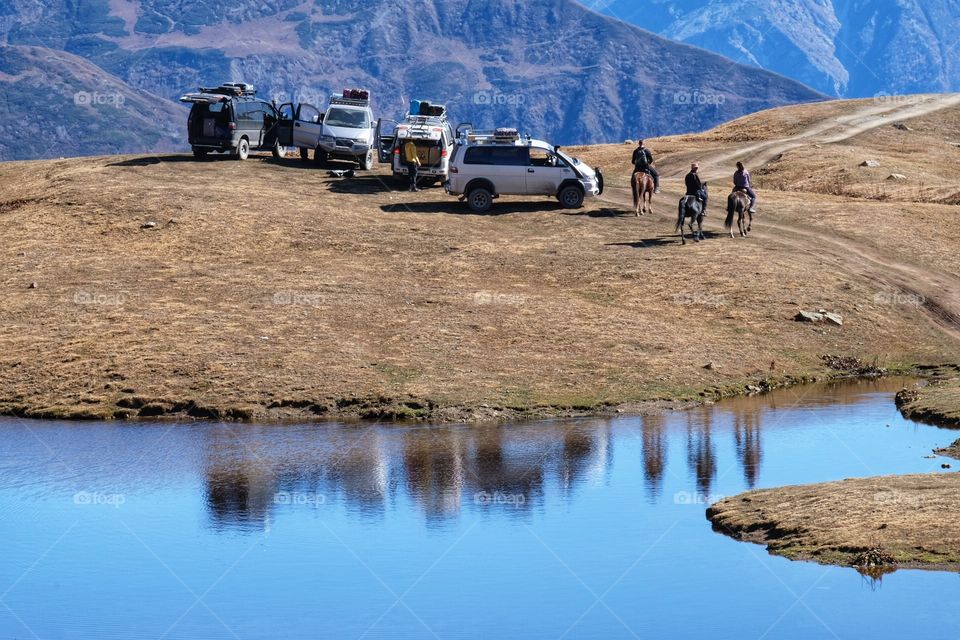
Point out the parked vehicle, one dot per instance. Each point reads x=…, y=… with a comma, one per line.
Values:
x=344, y=132
x=487, y=165
x=428, y=128
x=231, y=119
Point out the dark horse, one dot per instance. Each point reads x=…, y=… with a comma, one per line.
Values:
x=738, y=202
x=692, y=209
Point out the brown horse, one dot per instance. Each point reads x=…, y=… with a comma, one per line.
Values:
x=642, y=193
x=738, y=202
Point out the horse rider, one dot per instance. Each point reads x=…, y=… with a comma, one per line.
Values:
x=643, y=163
x=695, y=185
x=741, y=182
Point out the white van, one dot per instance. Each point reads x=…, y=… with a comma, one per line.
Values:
x=486, y=165
x=433, y=137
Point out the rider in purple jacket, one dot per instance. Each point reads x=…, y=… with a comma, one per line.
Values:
x=741, y=182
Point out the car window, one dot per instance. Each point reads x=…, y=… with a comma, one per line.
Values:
x=213, y=107
x=499, y=156
x=286, y=111
x=352, y=118
x=308, y=113
x=544, y=158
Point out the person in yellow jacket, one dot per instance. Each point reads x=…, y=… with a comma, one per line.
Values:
x=412, y=160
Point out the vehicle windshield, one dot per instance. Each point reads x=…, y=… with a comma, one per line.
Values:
x=352, y=118
x=569, y=159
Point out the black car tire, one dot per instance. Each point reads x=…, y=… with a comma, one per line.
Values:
x=480, y=199
x=571, y=197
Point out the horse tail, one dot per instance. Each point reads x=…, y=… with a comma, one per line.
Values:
x=731, y=209
x=635, y=185
x=680, y=215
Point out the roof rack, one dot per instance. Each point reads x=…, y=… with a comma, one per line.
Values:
x=231, y=89
x=501, y=135
x=352, y=97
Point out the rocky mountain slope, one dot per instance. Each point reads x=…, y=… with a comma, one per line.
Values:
x=553, y=67
x=854, y=48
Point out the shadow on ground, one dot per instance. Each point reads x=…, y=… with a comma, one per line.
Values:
x=452, y=206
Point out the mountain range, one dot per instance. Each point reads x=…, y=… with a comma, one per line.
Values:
x=846, y=48
x=103, y=76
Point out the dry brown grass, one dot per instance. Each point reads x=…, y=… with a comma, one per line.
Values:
x=938, y=402
x=902, y=521
x=280, y=292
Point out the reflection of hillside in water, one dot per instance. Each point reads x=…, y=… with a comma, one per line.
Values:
x=503, y=469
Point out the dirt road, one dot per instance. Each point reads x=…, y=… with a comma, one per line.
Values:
x=936, y=292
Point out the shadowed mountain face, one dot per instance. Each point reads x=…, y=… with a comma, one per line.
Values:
x=848, y=48
x=551, y=67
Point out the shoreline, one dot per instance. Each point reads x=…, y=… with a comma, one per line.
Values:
x=413, y=410
x=876, y=525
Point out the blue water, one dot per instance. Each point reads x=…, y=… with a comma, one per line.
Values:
x=583, y=529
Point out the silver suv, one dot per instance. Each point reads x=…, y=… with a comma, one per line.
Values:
x=486, y=165
x=344, y=132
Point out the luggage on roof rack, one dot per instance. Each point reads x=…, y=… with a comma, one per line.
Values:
x=352, y=97
x=506, y=134
x=356, y=94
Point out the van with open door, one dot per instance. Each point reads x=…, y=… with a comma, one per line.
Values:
x=430, y=130
x=345, y=131
x=231, y=119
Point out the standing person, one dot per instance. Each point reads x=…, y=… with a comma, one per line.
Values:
x=643, y=162
x=412, y=160
x=695, y=185
x=741, y=182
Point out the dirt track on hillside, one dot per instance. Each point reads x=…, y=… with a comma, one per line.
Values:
x=938, y=291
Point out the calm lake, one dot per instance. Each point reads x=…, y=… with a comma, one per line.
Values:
x=576, y=529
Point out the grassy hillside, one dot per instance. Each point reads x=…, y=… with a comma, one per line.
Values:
x=269, y=289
